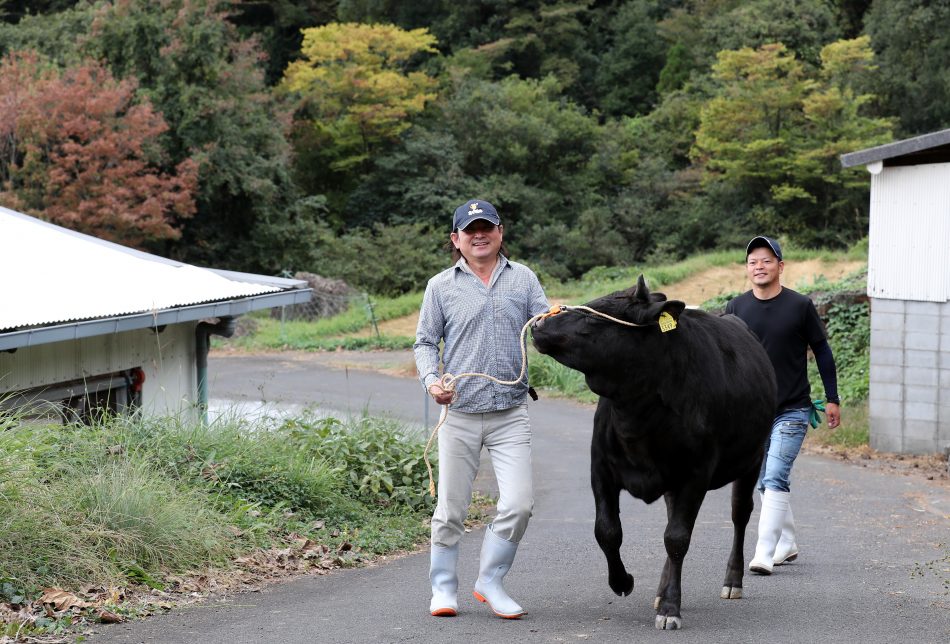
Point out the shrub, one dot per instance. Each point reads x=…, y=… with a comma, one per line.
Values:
x=849, y=333
x=133, y=498
x=380, y=460
x=545, y=371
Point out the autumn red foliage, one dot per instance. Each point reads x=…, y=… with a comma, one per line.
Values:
x=79, y=148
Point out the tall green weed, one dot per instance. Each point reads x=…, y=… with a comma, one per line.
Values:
x=137, y=499
x=379, y=460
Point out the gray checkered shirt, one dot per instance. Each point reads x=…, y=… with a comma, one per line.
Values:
x=481, y=326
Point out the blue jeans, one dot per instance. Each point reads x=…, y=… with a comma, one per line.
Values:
x=782, y=447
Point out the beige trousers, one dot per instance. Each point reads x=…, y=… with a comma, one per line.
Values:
x=507, y=437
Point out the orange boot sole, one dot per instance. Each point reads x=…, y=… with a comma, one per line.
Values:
x=482, y=599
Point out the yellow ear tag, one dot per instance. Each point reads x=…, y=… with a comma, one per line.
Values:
x=667, y=322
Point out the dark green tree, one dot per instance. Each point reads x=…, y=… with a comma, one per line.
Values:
x=676, y=70
x=278, y=25
x=516, y=143
x=208, y=82
x=851, y=15
x=705, y=27
x=911, y=40
x=58, y=36
x=629, y=69
x=803, y=26
x=12, y=11
x=456, y=25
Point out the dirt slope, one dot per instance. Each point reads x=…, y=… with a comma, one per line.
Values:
x=725, y=279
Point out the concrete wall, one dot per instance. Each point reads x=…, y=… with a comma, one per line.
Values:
x=167, y=358
x=910, y=376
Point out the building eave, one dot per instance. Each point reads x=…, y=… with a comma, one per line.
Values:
x=896, y=149
x=12, y=340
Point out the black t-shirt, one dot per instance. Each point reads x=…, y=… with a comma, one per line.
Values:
x=787, y=325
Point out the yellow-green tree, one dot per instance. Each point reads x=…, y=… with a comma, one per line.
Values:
x=356, y=88
x=747, y=129
x=774, y=129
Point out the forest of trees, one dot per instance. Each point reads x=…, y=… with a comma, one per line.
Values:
x=336, y=136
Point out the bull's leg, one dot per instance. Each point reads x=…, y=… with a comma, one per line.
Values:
x=742, y=491
x=683, y=507
x=665, y=576
x=664, y=580
x=607, y=529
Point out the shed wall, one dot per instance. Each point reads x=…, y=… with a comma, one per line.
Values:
x=910, y=376
x=167, y=358
x=910, y=233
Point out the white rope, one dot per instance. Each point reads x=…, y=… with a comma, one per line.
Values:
x=447, y=381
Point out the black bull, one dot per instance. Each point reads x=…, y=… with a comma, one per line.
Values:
x=680, y=412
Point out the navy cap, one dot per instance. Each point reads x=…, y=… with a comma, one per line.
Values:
x=764, y=242
x=472, y=210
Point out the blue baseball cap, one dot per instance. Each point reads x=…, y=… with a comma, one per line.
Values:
x=472, y=210
x=764, y=242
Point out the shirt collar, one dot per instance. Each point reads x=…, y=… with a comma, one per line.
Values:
x=502, y=263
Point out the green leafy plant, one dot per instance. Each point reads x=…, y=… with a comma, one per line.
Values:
x=546, y=372
x=135, y=499
x=380, y=461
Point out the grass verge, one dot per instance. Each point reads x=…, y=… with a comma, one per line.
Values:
x=328, y=334
x=93, y=514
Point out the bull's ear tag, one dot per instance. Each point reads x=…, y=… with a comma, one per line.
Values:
x=667, y=322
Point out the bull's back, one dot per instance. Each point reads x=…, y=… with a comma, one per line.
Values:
x=710, y=423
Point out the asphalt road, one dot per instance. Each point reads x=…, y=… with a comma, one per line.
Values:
x=871, y=569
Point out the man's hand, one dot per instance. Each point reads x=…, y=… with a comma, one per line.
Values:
x=440, y=395
x=833, y=412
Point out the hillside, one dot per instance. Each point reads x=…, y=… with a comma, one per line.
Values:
x=695, y=290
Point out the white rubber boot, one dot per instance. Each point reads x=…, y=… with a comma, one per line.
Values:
x=787, y=549
x=445, y=581
x=497, y=556
x=771, y=519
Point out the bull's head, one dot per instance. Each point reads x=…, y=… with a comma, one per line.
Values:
x=597, y=346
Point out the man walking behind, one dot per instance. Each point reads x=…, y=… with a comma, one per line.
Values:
x=787, y=324
x=478, y=308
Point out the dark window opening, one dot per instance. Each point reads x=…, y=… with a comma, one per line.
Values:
x=84, y=400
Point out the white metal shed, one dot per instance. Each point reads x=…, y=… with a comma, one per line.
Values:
x=909, y=290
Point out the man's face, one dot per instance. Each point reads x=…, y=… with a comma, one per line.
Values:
x=480, y=240
x=763, y=267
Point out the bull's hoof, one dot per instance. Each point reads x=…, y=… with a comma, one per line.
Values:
x=731, y=592
x=668, y=623
x=621, y=585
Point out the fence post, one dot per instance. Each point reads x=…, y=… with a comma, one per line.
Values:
x=372, y=315
x=287, y=274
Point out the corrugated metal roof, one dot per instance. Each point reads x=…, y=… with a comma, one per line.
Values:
x=896, y=149
x=51, y=275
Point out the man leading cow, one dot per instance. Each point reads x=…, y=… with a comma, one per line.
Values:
x=477, y=308
x=787, y=324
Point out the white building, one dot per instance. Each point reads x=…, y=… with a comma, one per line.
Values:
x=86, y=323
x=909, y=289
